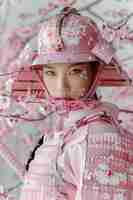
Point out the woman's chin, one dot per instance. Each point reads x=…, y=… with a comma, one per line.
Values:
x=63, y=98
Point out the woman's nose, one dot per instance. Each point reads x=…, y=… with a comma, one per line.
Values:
x=63, y=87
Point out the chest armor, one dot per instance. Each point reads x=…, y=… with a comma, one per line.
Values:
x=108, y=174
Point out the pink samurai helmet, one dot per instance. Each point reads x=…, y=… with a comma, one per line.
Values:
x=70, y=38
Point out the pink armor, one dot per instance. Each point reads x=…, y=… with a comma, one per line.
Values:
x=91, y=156
x=70, y=38
x=86, y=154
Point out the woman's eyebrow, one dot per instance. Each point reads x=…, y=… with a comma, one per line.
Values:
x=48, y=66
x=76, y=64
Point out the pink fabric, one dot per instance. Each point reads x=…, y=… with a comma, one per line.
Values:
x=90, y=158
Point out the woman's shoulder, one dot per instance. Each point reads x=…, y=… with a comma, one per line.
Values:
x=110, y=109
x=102, y=122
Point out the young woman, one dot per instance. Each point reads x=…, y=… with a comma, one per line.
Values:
x=85, y=154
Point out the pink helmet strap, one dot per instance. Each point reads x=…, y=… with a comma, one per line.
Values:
x=43, y=82
x=94, y=85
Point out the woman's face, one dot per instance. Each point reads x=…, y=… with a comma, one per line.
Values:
x=70, y=81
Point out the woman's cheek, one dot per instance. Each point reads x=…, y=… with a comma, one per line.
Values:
x=50, y=84
x=79, y=87
x=78, y=83
x=78, y=92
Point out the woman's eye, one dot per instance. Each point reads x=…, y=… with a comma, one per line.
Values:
x=76, y=71
x=50, y=73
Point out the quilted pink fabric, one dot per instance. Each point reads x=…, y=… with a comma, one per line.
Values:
x=90, y=157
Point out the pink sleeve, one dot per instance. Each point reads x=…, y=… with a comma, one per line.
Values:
x=71, y=166
x=42, y=181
